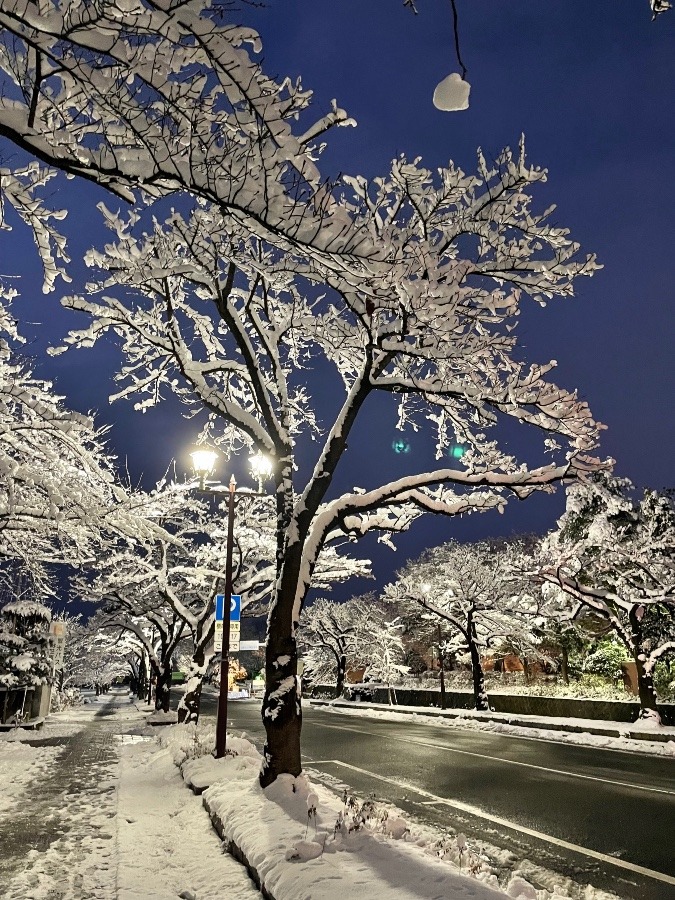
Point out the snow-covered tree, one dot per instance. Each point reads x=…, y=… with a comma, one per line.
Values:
x=25, y=659
x=409, y=285
x=92, y=655
x=384, y=651
x=20, y=191
x=332, y=635
x=59, y=497
x=163, y=97
x=478, y=591
x=176, y=576
x=616, y=556
x=215, y=314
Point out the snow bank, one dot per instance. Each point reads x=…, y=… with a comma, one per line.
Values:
x=301, y=841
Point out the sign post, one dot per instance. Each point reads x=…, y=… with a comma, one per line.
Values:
x=57, y=631
x=235, y=623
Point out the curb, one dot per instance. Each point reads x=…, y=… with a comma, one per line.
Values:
x=501, y=718
x=236, y=852
x=230, y=846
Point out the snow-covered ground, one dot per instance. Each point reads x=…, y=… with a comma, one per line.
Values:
x=134, y=832
x=307, y=843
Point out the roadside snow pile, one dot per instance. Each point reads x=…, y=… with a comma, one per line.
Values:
x=469, y=719
x=302, y=841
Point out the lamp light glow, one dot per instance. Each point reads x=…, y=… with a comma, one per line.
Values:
x=203, y=462
x=261, y=467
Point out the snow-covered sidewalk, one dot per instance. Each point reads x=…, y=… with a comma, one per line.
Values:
x=95, y=812
x=98, y=810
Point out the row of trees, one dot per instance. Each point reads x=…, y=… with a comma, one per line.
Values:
x=608, y=568
x=152, y=562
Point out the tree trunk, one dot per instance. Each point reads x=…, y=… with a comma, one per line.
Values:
x=281, y=708
x=440, y=665
x=480, y=697
x=163, y=689
x=646, y=691
x=190, y=702
x=141, y=688
x=564, y=664
x=341, y=670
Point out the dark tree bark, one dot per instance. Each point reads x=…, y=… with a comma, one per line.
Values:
x=480, y=697
x=281, y=706
x=646, y=690
x=281, y=709
x=564, y=664
x=341, y=672
x=163, y=689
x=190, y=703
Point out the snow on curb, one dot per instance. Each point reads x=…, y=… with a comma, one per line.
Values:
x=584, y=732
x=299, y=841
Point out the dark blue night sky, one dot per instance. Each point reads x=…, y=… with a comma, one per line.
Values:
x=592, y=87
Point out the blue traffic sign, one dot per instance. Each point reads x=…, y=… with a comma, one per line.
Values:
x=235, y=607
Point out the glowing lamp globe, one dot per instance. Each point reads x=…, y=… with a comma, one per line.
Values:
x=203, y=462
x=261, y=467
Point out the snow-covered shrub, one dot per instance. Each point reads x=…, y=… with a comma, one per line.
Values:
x=606, y=660
x=65, y=699
x=24, y=644
x=189, y=741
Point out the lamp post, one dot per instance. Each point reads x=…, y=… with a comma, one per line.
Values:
x=203, y=462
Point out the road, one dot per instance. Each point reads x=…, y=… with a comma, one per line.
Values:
x=601, y=816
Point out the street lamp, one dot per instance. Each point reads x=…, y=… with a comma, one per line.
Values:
x=261, y=468
x=203, y=462
x=426, y=588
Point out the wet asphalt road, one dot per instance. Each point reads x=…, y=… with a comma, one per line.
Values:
x=615, y=804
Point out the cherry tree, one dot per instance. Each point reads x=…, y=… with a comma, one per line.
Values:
x=615, y=556
x=59, y=495
x=93, y=655
x=156, y=98
x=383, y=652
x=332, y=635
x=476, y=589
x=176, y=576
x=210, y=311
x=133, y=604
x=408, y=285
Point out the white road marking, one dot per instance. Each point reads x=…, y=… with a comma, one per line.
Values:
x=511, y=762
x=506, y=823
